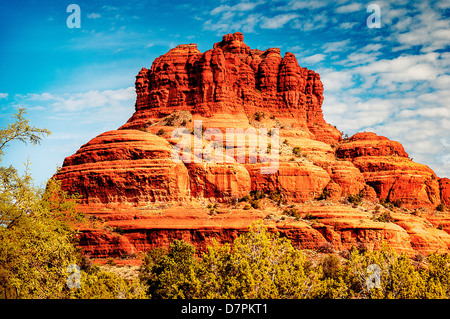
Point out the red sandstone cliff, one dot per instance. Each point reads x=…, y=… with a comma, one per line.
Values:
x=231, y=78
x=129, y=181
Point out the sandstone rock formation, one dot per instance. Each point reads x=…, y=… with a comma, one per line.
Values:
x=231, y=78
x=387, y=168
x=140, y=197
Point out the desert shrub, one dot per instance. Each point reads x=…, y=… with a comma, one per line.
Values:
x=440, y=207
x=326, y=247
x=260, y=264
x=111, y=262
x=292, y=211
x=97, y=284
x=118, y=230
x=391, y=204
x=276, y=196
x=171, y=273
x=397, y=202
x=253, y=198
x=161, y=132
x=297, y=151
x=324, y=195
x=332, y=280
x=255, y=204
x=354, y=199
x=212, y=208
x=309, y=216
x=384, y=217
x=257, y=194
x=258, y=116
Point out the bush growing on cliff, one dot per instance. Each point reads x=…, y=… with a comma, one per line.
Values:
x=259, y=115
x=297, y=151
x=253, y=198
x=354, y=199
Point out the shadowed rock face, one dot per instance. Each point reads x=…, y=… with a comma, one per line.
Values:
x=128, y=178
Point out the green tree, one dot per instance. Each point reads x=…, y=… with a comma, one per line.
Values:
x=171, y=274
x=97, y=284
x=36, y=243
x=259, y=264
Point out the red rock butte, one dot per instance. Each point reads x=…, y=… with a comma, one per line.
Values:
x=139, y=198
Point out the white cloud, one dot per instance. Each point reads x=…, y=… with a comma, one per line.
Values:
x=3, y=95
x=314, y=58
x=336, y=80
x=227, y=23
x=348, y=25
x=402, y=69
x=372, y=47
x=310, y=22
x=242, y=6
x=336, y=46
x=429, y=28
x=81, y=102
x=349, y=8
x=94, y=15
x=298, y=5
x=93, y=99
x=278, y=21
x=40, y=97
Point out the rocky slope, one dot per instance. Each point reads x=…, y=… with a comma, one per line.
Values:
x=140, y=195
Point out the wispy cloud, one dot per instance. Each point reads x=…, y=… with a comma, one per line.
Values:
x=3, y=95
x=301, y=4
x=314, y=58
x=93, y=99
x=278, y=21
x=80, y=102
x=310, y=22
x=349, y=8
x=336, y=46
x=242, y=6
x=94, y=15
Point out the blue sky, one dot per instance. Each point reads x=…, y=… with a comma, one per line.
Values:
x=393, y=80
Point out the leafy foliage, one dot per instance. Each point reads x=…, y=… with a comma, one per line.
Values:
x=97, y=284
x=260, y=264
x=36, y=243
x=297, y=151
x=37, y=238
x=21, y=131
